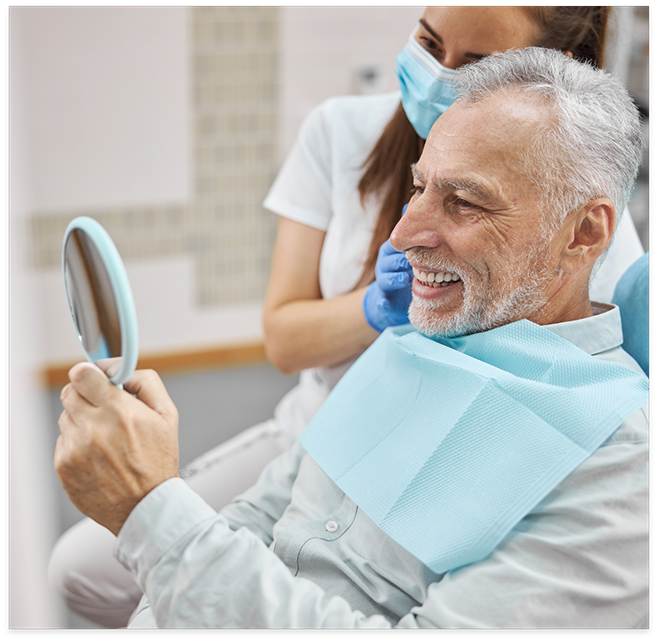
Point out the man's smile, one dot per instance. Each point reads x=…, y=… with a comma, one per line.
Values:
x=435, y=282
x=435, y=279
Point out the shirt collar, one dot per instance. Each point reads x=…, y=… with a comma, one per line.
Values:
x=594, y=334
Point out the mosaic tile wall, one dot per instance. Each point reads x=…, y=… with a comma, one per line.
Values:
x=234, y=135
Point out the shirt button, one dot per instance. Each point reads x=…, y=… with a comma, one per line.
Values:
x=331, y=526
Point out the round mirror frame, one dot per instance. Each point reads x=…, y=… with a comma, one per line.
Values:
x=122, y=293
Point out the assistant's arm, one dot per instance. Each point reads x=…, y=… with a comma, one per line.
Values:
x=301, y=328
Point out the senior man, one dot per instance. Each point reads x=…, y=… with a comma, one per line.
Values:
x=488, y=470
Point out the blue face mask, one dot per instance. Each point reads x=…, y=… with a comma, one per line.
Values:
x=426, y=86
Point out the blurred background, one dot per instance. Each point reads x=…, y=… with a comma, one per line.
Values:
x=168, y=126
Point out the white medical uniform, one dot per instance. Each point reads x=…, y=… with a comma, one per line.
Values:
x=317, y=186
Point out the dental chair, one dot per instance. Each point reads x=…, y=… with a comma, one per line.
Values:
x=632, y=297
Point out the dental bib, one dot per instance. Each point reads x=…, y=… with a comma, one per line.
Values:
x=446, y=444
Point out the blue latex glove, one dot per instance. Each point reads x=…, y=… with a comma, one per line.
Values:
x=387, y=300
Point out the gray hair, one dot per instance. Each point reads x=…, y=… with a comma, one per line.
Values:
x=592, y=148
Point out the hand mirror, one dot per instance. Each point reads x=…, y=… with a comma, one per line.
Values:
x=100, y=299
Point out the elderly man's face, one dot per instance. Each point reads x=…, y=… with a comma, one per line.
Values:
x=474, y=231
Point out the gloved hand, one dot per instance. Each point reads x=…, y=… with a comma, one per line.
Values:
x=387, y=300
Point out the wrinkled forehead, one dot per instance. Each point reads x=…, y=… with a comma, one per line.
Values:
x=511, y=112
x=491, y=141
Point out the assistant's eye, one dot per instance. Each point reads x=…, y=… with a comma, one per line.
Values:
x=428, y=43
x=431, y=46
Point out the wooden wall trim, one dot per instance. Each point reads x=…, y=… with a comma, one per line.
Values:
x=55, y=376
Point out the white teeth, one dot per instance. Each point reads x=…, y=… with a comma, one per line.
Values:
x=435, y=277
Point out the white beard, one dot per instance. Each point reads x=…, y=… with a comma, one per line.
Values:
x=523, y=293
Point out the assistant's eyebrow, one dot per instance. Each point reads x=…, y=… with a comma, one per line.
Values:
x=442, y=184
x=468, y=54
x=432, y=32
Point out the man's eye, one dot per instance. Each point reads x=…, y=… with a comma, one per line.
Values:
x=464, y=204
x=417, y=191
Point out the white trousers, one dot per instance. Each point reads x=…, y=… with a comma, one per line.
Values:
x=82, y=566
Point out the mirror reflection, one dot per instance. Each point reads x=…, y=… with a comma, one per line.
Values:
x=91, y=299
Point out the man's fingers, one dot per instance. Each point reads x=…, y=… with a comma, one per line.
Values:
x=90, y=388
x=90, y=383
x=74, y=405
x=109, y=366
x=148, y=387
x=65, y=421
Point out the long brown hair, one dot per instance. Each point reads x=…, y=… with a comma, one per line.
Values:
x=387, y=175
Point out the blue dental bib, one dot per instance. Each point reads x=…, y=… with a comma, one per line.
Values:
x=446, y=444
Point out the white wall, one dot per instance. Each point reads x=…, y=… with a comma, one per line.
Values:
x=107, y=99
x=32, y=504
x=323, y=48
x=87, y=129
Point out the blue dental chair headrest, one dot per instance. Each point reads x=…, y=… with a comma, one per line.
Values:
x=632, y=297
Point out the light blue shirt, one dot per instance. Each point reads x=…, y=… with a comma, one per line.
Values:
x=295, y=552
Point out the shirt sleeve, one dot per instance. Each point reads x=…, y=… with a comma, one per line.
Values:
x=302, y=191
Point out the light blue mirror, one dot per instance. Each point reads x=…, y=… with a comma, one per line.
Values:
x=100, y=299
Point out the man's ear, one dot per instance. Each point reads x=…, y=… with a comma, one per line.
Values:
x=589, y=231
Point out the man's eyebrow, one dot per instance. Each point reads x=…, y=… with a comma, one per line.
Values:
x=443, y=184
x=436, y=36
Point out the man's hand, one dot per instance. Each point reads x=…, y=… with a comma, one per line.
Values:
x=114, y=448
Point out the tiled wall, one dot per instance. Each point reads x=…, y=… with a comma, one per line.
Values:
x=235, y=120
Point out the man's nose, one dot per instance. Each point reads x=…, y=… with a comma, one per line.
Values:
x=414, y=230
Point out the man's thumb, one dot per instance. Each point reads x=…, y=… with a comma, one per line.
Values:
x=90, y=382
